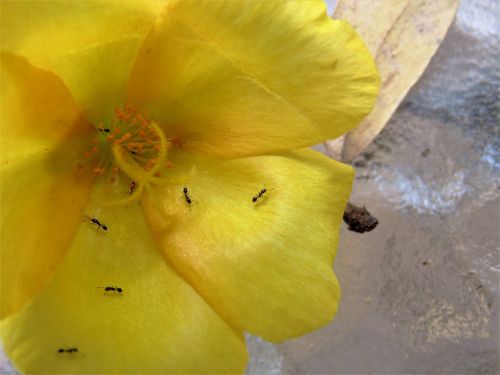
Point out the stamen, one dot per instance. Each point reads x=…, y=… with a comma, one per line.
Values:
x=140, y=158
x=162, y=154
x=138, y=148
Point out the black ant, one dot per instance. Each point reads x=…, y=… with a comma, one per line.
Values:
x=188, y=198
x=133, y=185
x=103, y=130
x=260, y=194
x=69, y=350
x=96, y=222
x=111, y=289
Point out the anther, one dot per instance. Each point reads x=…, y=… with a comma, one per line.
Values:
x=142, y=120
x=176, y=141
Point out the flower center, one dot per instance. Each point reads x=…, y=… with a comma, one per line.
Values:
x=137, y=148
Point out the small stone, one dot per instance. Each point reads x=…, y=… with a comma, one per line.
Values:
x=359, y=219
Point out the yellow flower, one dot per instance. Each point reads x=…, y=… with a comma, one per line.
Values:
x=218, y=98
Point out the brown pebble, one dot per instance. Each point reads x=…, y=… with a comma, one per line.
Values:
x=359, y=219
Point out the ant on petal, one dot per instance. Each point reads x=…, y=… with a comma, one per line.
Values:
x=133, y=185
x=111, y=289
x=68, y=350
x=260, y=194
x=96, y=222
x=186, y=195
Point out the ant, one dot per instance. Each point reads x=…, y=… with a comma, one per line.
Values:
x=188, y=198
x=260, y=194
x=103, y=130
x=133, y=185
x=96, y=222
x=111, y=289
x=69, y=350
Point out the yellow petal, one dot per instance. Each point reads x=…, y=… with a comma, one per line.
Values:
x=91, y=45
x=405, y=36
x=266, y=267
x=235, y=78
x=157, y=325
x=42, y=137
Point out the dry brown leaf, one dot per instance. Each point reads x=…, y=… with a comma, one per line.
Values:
x=405, y=35
x=381, y=16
